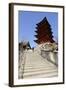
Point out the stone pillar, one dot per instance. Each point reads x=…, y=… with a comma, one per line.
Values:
x=54, y=57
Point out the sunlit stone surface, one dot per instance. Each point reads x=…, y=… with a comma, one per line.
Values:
x=41, y=62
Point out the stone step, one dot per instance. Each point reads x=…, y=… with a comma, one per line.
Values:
x=40, y=71
x=39, y=66
x=41, y=75
x=36, y=66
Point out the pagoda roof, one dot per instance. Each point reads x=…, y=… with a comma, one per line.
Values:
x=36, y=41
x=43, y=31
x=36, y=31
x=44, y=41
x=43, y=21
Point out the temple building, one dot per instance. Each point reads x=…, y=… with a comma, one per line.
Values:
x=44, y=33
x=24, y=45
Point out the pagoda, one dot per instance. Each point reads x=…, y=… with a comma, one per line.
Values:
x=44, y=33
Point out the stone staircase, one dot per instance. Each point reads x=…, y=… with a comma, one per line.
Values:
x=38, y=67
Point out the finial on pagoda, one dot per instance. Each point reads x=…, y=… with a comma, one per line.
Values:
x=44, y=20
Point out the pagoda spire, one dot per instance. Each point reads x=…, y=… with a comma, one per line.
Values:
x=43, y=32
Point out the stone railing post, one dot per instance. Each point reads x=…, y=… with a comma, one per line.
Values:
x=54, y=57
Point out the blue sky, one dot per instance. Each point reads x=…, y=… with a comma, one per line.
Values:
x=27, y=23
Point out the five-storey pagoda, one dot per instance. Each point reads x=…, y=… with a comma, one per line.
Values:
x=44, y=33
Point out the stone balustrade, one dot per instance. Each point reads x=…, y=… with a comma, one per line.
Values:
x=51, y=56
